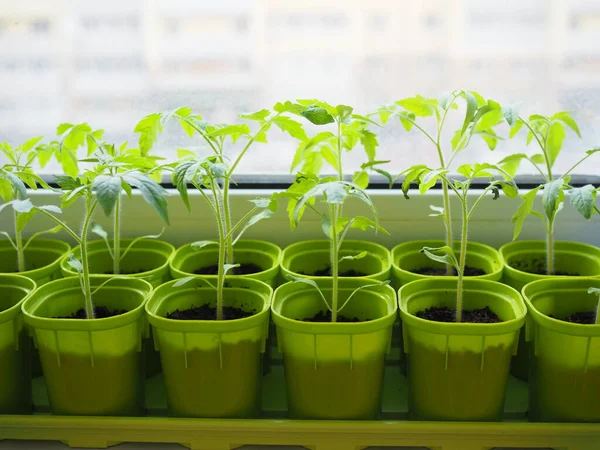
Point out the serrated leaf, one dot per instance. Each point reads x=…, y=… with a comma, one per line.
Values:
x=444, y=255
x=489, y=119
x=258, y=115
x=317, y=115
x=429, y=179
x=418, y=105
x=148, y=127
x=108, y=190
x=584, y=200
x=413, y=174
x=524, y=210
x=565, y=117
x=290, y=126
x=151, y=191
x=363, y=223
x=370, y=143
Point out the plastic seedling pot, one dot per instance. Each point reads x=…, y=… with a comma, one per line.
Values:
x=91, y=366
x=334, y=370
x=148, y=259
x=310, y=257
x=42, y=258
x=459, y=371
x=15, y=345
x=187, y=260
x=564, y=377
x=407, y=258
x=212, y=368
x=570, y=257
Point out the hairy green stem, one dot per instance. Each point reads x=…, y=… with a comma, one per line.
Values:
x=462, y=259
x=334, y=255
x=597, y=320
x=19, y=246
x=90, y=205
x=228, y=225
x=222, y=251
x=550, y=248
x=117, y=237
x=65, y=227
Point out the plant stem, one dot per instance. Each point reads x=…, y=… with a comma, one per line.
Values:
x=462, y=258
x=228, y=234
x=597, y=321
x=19, y=245
x=339, y=149
x=117, y=237
x=90, y=205
x=222, y=251
x=333, y=252
x=550, y=248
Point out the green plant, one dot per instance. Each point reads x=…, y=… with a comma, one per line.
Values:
x=308, y=186
x=100, y=185
x=596, y=291
x=481, y=116
x=212, y=175
x=549, y=134
x=15, y=176
x=445, y=254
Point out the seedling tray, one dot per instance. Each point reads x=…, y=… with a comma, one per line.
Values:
x=274, y=429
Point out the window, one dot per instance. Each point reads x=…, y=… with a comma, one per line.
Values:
x=79, y=61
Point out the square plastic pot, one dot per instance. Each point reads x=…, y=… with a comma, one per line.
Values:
x=407, y=257
x=459, y=371
x=15, y=345
x=334, y=370
x=564, y=378
x=187, y=260
x=91, y=366
x=42, y=259
x=570, y=257
x=211, y=368
x=303, y=259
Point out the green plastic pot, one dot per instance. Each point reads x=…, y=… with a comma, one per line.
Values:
x=42, y=259
x=303, y=259
x=564, y=382
x=407, y=257
x=211, y=368
x=148, y=259
x=15, y=345
x=334, y=370
x=94, y=366
x=187, y=260
x=459, y=371
x=571, y=257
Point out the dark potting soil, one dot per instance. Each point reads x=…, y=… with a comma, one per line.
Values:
x=100, y=312
x=537, y=266
x=208, y=312
x=582, y=317
x=441, y=271
x=126, y=272
x=326, y=272
x=445, y=314
x=325, y=316
x=243, y=269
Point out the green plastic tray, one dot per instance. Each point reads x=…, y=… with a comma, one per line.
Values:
x=274, y=429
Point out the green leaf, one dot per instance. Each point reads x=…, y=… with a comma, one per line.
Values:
x=6, y=189
x=444, y=255
x=108, y=190
x=50, y=208
x=151, y=191
x=17, y=184
x=363, y=223
x=360, y=255
x=369, y=141
x=184, y=153
x=584, y=200
x=565, y=117
x=552, y=197
x=413, y=174
x=509, y=188
x=490, y=138
x=148, y=127
x=406, y=119
x=524, y=210
x=228, y=267
x=75, y=263
x=22, y=206
x=419, y=106
x=258, y=115
x=515, y=128
x=384, y=115
x=511, y=114
x=556, y=136
x=511, y=163
x=312, y=283
x=317, y=115
x=538, y=158
x=364, y=119
x=23, y=219
x=459, y=141
x=66, y=182
x=472, y=106
x=30, y=143
x=290, y=126
x=201, y=244
x=489, y=119
x=429, y=179
x=343, y=112
x=99, y=231
x=361, y=179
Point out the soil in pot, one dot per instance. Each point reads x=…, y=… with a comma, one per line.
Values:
x=243, y=269
x=445, y=314
x=127, y=272
x=334, y=390
x=582, y=318
x=457, y=385
x=208, y=312
x=441, y=271
x=100, y=312
x=537, y=266
x=325, y=316
x=326, y=272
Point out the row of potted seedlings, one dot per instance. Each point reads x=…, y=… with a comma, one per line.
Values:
x=110, y=311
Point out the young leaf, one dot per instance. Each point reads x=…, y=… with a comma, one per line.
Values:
x=6, y=189
x=148, y=127
x=258, y=115
x=312, y=283
x=75, y=263
x=152, y=192
x=556, y=136
x=511, y=114
x=228, y=267
x=22, y=206
x=107, y=189
x=552, y=197
x=524, y=210
x=584, y=200
x=99, y=231
x=17, y=184
x=418, y=105
x=317, y=115
x=443, y=255
x=565, y=117
x=290, y=126
x=50, y=208
x=360, y=255
x=201, y=244
x=185, y=280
